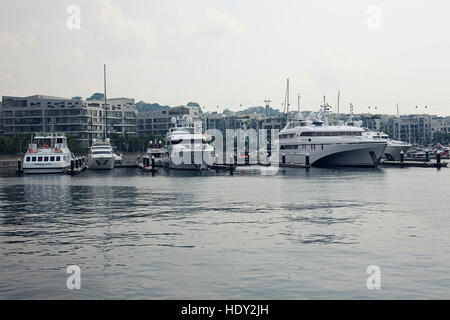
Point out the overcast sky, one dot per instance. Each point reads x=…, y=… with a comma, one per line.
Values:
x=232, y=52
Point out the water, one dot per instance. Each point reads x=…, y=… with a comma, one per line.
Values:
x=296, y=235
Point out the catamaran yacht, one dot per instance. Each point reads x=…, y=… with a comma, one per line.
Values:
x=186, y=147
x=47, y=154
x=101, y=156
x=328, y=145
x=394, y=147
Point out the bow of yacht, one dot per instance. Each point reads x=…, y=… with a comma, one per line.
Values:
x=101, y=155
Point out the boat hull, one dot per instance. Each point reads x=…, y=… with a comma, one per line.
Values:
x=101, y=163
x=356, y=154
x=392, y=152
x=45, y=170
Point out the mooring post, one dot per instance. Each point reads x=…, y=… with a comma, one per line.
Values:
x=307, y=160
x=438, y=159
x=153, y=163
x=402, y=156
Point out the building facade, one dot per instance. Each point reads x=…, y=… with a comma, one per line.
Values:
x=158, y=122
x=83, y=120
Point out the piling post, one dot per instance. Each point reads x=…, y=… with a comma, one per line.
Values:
x=72, y=165
x=402, y=156
x=307, y=160
x=153, y=163
x=427, y=156
x=438, y=159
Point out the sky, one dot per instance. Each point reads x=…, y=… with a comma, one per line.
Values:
x=232, y=53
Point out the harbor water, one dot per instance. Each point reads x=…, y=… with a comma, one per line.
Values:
x=298, y=234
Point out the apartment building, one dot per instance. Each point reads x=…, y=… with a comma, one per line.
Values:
x=81, y=119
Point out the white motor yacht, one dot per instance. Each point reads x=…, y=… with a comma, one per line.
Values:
x=156, y=151
x=394, y=147
x=328, y=145
x=101, y=156
x=47, y=154
x=186, y=147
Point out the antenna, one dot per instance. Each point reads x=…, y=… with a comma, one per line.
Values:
x=298, y=102
x=106, y=107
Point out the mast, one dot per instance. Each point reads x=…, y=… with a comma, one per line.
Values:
x=106, y=108
x=398, y=124
x=339, y=93
x=298, y=102
x=286, y=100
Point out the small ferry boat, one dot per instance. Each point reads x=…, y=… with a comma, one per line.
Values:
x=101, y=156
x=47, y=154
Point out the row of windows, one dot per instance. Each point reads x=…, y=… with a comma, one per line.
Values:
x=45, y=159
x=301, y=146
x=330, y=133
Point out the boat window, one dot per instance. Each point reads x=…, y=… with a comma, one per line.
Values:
x=40, y=159
x=52, y=158
x=326, y=134
x=319, y=134
x=33, y=159
x=45, y=158
x=307, y=134
x=334, y=133
x=59, y=140
x=175, y=141
x=28, y=159
x=58, y=158
x=101, y=152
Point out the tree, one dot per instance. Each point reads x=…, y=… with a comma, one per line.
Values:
x=442, y=137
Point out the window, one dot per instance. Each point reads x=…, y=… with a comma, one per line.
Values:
x=28, y=159
x=33, y=159
x=52, y=158
x=40, y=159
x=58, y=158
x=45, y=158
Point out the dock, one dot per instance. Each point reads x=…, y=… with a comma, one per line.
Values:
x=77, y=166
x=417, y=164
x=294, y=165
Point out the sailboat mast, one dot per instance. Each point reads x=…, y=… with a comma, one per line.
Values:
x=339, y=94
x=106, y=108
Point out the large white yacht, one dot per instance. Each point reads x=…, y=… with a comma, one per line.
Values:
x=186, y=147
x=328, y=145
x=47, y=154
x=394, y=147
x=101, y=156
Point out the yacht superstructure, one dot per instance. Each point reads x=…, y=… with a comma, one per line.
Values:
x=47, y=153
x=328, y=145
